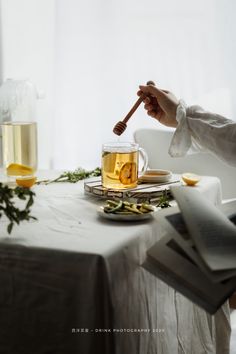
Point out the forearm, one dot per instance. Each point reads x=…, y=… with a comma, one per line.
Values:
x=206, y=130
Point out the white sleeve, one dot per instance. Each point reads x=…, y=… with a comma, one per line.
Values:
x=201, y=130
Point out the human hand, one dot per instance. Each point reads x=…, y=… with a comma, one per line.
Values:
x=160, y=104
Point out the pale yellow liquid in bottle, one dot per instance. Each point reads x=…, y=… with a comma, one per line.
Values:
x=20, y=144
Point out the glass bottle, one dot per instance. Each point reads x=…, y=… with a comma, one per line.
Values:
x=18, y=127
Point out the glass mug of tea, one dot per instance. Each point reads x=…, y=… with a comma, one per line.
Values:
x=120, y=165
x=19, y=148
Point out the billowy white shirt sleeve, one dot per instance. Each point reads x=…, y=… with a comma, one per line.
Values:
x=201, y=130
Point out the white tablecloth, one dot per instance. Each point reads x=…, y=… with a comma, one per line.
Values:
x=71, y=283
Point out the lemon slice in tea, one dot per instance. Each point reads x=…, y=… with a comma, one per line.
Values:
x=128, y=173
x=190, y=178
x=15, y=169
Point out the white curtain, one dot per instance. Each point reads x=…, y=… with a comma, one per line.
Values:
x=90, y=56
x=106, y=48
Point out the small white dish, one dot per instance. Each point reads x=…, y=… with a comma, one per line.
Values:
x=128, y=217
x=158, y=176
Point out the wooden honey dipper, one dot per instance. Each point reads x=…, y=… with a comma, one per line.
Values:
x=120, y=127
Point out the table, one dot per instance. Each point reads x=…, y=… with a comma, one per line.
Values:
x=72, y=283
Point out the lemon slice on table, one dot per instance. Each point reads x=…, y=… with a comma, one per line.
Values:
x=15, y=169
x=26, y=182
x=190, y=178
x=128, y=173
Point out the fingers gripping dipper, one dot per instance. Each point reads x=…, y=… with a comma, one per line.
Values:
x=120, y=127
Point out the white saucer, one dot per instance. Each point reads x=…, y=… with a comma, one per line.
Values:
x=157, y=176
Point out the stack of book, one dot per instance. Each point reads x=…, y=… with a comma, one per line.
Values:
x=197, y=255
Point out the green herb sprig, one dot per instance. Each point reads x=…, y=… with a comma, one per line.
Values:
x=73, y=176
x=7, y=205
x=164, y=201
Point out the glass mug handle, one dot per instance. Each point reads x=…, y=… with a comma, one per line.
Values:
x=145, y=162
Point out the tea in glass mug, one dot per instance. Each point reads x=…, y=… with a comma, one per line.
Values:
x=19, y=145
x=120, y=165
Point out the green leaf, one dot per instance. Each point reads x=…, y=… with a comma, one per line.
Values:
x=10, y=210
x=9, y=227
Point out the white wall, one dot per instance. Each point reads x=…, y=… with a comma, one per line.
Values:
x=28, y=52
x=1, y=74
x=90, y=56
x=106, y=48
